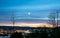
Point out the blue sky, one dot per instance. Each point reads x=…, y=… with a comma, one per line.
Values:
x=39, y=9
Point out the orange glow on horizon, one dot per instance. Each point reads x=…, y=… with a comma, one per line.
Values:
x=28, y=24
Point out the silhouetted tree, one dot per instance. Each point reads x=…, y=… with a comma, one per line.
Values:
x=53, y=18
x=13, y=20
x=38, y=34
x=16, y=35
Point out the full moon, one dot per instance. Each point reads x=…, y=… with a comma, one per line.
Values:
x=29, y=13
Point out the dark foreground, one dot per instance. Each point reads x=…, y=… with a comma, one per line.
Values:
x=39, y=33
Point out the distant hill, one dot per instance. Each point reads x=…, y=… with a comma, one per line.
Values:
x=16, y=27
x=23, y=28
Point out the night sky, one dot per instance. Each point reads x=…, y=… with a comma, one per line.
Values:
x=27, y=9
